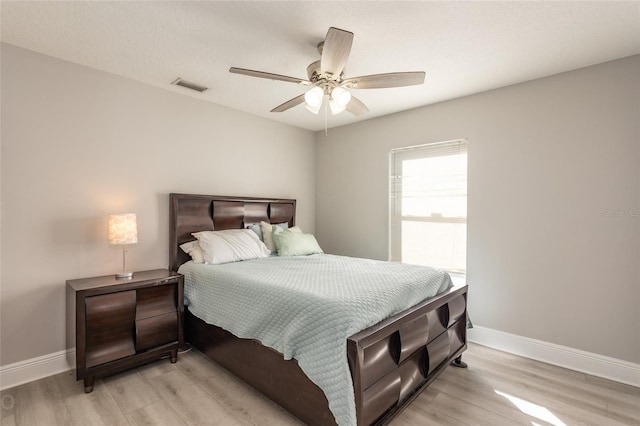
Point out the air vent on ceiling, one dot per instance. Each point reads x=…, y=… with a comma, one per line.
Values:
x=189, y=85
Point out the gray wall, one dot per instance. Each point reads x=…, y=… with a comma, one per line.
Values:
x=554, y=193
x=78, y=144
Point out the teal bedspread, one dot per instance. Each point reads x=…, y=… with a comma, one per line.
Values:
x=305, y=307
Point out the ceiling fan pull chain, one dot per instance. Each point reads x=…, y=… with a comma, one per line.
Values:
x=326, y=117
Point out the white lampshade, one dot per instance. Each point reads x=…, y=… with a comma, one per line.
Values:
x=123, y=229
x=314, y=109
x=341, y=97
x=335, y=108
x=313, y=97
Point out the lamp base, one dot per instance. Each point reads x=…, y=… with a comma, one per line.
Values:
x=124, y=275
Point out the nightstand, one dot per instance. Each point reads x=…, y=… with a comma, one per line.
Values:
x=121, y=323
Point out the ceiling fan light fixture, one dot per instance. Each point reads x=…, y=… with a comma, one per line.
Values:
x=341, y=96
x=336, y=108
x=313, y=98
x=313, y=109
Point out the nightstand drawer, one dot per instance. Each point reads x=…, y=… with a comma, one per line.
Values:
x=154, y=301
x=156, y=331
x=110, y=310
x=109, y=344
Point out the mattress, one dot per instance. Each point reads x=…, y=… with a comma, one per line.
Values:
x=305, y=307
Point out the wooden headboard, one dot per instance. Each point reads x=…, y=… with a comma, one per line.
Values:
x=193, y=213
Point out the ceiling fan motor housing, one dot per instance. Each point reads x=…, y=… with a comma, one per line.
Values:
x=326, y=80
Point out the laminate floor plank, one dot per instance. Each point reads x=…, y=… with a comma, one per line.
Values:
x=158, y=414
x=97, y=408
x=41, y=402
x=8, y=407
x=246, y=403
x=160, y=367
x=192, y=404
x=469, y=394
x=512, y=392
x=130, y=391
x=8, y=420
x=198, y=367
x=468, y=413
x=424, y=417
x=583, y=405
x=573, y=381
x=497, y=389
x=435, y=417
x=546, y=399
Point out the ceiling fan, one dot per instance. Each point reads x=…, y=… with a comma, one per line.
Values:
x=327, y=78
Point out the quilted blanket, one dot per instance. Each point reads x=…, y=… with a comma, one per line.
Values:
x=305, y=307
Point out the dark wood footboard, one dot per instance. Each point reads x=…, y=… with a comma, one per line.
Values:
x=391, y=362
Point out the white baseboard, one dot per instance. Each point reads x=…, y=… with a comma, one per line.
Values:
x=35, y=368
x=562, y=356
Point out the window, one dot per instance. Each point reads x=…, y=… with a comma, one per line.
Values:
x=428, y=205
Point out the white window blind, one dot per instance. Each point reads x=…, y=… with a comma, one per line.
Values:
x=428, y=205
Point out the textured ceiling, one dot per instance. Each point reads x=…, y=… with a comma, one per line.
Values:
x=464, y=47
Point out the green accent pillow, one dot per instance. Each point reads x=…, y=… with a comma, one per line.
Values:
x=290, y=243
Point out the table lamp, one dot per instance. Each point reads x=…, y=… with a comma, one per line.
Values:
x=123, y=230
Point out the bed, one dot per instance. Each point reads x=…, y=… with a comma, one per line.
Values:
x=390, y=362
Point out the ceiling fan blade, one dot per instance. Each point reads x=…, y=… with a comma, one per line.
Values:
x=270, y=76
x=356, y=107
x=381, y=81
x=335, y=51
x=289, y=104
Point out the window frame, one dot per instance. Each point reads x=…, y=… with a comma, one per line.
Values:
x=428, y=150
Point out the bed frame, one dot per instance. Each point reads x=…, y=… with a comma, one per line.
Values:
x=391, y=362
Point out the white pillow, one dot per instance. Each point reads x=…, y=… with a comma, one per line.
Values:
x=231, y=245
x=192, y=248
x=267, y=233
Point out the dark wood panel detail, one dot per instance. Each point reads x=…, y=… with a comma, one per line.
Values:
x=194, y=216
x=457, y=308
x=412, y=373
x=156, y=331
x=457, y=335
x=109, y=344
x=188, y=215
x=279, y=213
x=380, y=396
x=158, y=300
x=437, y=352
x=379, y=359
x=110, y=310
x=414, y=335
x=256, y=213
x=228, y=215
x=437, y=320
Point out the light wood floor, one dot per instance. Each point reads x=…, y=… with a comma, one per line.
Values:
x=496, y=389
